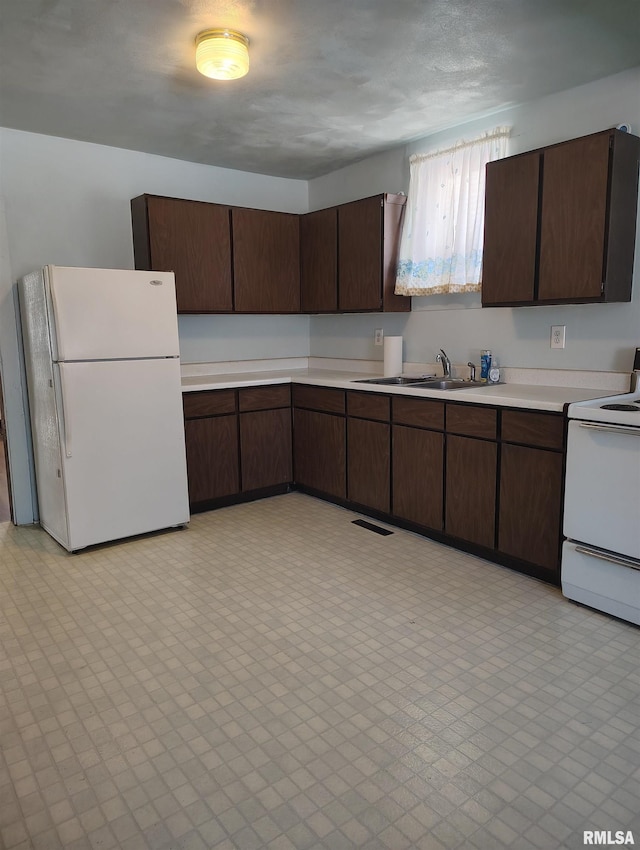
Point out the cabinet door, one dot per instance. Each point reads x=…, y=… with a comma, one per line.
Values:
x=265, y=448
x=319, y=261
x=573, y=219
x=510, y=230
x=212, y=458
x=369, y=463
x=360, y=254
x=393, y=215
x=470, y=492
x=266, y=261
x=320, y=451
x=530, y=505
x=192, y=239
x=418, y=462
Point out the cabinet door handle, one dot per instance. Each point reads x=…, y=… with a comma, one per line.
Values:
x=606, y=556
x=615, y=429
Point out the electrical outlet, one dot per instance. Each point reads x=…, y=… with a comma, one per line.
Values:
x=378, y=336
x=558, y=334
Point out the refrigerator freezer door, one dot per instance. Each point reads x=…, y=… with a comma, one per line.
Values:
x=123, y=453
x=104, y=314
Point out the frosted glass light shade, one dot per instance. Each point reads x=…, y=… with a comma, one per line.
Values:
x=222, y=54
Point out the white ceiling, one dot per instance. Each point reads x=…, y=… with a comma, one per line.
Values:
x=331, y=81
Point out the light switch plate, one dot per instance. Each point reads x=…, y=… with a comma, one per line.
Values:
x=558, y=335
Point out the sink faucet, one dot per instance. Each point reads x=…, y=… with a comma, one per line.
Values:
x=446, y=363
x=472, y=369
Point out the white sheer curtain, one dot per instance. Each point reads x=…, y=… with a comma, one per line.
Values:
x=441, y=244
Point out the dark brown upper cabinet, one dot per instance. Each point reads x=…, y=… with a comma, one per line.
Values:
x=242, y=260
x=560, y=223
x=319, y=261
x=348, y=257
x=266, y=261
x=510, y=228
x=191, y=239
x=368, y=241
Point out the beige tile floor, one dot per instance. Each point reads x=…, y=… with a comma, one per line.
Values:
x=276, y=677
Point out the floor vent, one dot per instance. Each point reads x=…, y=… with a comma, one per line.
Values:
x=364, y=524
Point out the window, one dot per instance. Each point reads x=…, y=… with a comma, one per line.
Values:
x=441, y=244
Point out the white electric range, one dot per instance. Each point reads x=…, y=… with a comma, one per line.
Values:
x=601, y=556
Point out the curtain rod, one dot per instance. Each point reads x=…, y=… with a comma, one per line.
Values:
x=497, y=133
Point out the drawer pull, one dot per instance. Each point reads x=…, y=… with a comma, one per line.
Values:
x=606, y=556
x=616, y=429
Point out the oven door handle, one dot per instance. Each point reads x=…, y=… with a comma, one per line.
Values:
x=606, y=556
x=616, y=429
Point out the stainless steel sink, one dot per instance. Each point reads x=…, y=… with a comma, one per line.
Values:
x=427, y=383
x=451, y=384
x=397, y=382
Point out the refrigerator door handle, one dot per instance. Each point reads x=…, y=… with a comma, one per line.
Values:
x=56, y=312
x=65, y=417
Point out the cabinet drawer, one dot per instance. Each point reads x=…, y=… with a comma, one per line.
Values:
x=369, y=406
x=533, y=429
x=319, y=398
x=264, y=398
x=208, y=403
x=419, y=412
x=472, y=421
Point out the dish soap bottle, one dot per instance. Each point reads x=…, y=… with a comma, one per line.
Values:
x=485, y=363
x=494, y=372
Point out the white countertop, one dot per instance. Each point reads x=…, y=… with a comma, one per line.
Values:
x=531, y=396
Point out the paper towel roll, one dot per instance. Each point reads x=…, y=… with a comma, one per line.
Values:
x=392, y=356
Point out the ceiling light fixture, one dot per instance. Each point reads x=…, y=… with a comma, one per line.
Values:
x=222, y=54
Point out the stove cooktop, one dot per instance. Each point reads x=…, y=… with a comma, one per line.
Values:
x=618, y=409
x=630, y=407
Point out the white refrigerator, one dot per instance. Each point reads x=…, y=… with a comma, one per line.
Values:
x=103, y=375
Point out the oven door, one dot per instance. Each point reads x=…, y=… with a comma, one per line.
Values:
x=602, y=489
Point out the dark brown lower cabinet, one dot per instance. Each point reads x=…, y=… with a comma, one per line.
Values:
x=212, y=457
x=320, y=451
x=445, y=467
x=369, y=463
x=265, y=448
x=418, y=463
x=470, y=489
x=531, y=505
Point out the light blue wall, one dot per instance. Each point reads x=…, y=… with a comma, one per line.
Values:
x=599, y=336
x=206, y=339
x=67, y=203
